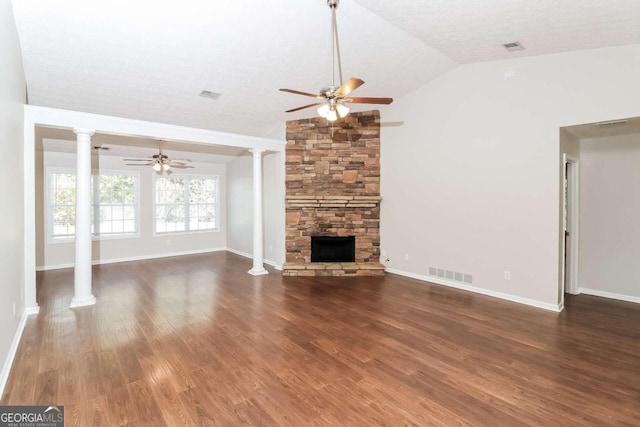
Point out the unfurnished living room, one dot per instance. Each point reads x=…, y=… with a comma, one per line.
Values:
x=320, y=212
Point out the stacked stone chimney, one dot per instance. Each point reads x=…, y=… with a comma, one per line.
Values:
x=333, y=189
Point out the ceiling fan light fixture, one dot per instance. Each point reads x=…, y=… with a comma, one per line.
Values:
x=343, y=110
x=166, y=167
x=157, y=167
x=323, y=110
x=335, y=95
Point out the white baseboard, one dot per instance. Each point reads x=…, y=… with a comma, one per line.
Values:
x=133, y=258
x=32, y=310
x=6, y=368
x=597, y=293
x=248, y=255
x=450, y=283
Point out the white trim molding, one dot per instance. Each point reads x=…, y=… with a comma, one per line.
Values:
x=570, y=265
x=6, y=368
x=248, y=255
x=604, y=294
x=508, y=297
x=32, y=310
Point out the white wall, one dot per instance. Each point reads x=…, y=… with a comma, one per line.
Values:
x=274, y=207
x=240, y=206
x=56, y=255
x=12, y=98
x=609, y=215
x=470, y=181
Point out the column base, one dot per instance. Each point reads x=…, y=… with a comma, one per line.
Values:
x=82, y=302
x=258, y=272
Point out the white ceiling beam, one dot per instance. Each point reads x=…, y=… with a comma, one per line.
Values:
x=57, y=118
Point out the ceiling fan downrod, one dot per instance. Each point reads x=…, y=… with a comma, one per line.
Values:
x=335, y=44
x=335, y=98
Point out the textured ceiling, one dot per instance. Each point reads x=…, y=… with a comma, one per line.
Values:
x=474, y=30
x=149, y=60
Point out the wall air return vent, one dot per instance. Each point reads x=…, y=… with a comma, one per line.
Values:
x=513, y=46
x=611, y=123
x=450, y=275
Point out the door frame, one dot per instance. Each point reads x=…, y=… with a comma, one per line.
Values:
x=571, y=173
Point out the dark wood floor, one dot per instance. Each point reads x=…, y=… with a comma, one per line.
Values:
x=196, y=341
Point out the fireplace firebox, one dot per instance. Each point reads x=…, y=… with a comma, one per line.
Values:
x=333, y=249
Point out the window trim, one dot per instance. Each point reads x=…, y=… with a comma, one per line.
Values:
x=48, y=205
x=216, y=205
x=50, y=170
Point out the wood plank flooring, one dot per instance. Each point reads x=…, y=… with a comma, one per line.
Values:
x=194, y=340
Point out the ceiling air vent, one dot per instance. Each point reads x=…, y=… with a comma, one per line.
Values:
x=611, y=123
x=209, y=94
x=513, y=46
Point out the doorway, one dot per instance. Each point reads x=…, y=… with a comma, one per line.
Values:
x=571, y=205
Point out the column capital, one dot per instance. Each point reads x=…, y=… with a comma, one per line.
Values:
x=257, y=152
x=82, y=131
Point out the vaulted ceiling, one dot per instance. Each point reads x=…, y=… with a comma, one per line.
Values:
x=150, y=59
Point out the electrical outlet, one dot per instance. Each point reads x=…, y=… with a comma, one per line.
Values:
x=507, y=275
x=406, y=257
x=168, y=242
x=383, y=253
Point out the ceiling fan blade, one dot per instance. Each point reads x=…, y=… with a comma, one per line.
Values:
x=297, y=92
x=179, y=161
x=361, y=100
x=302, y=108
x=349, y=86
x=138, y=160
x=139, y=164
x=182, y=167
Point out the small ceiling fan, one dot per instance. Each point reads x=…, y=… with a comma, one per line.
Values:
x=160, y=162
x=334, y=98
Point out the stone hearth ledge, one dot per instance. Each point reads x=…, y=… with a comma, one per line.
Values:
x=333, y=269
x=305, y=201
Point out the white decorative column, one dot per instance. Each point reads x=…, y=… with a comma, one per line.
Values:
x=82, y=271
x=258, y=233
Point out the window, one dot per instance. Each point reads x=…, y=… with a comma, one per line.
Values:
x=62, y=204
x=186, y=204
x=114, y=204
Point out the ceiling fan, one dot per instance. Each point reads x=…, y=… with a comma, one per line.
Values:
x=160, y=162
x=334, y=98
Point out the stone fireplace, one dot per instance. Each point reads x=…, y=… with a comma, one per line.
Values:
x=333, y=190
